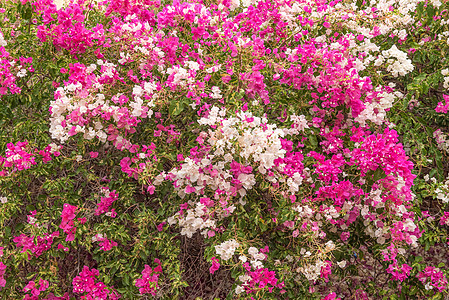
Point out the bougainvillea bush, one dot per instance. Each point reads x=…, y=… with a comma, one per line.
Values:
x=224, y=149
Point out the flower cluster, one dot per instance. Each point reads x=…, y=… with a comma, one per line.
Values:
x=398, y=64
x=10, y=70
x=440, y=190
x=2, y=275
x=36, y=244
x=215, y=265
x=86, y=283
x=433, y=278
x=148, y=284
x=21, y=156
x=17, y=158
x=108, y=197
x=33, y=289
x=67, y=224
x=443, y=108
x=258, y=279
x=195, y=219
x=105, y=244
x=442, y=140
x=226, y=249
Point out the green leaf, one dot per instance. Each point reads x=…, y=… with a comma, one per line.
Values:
x=437, y=296
x=176, y=107
x=126, y=279
x=420, y=8
x=313, y=140
x=430, y=11
x=378, y=174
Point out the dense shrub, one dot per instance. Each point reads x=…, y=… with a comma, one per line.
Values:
x=224, y=149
